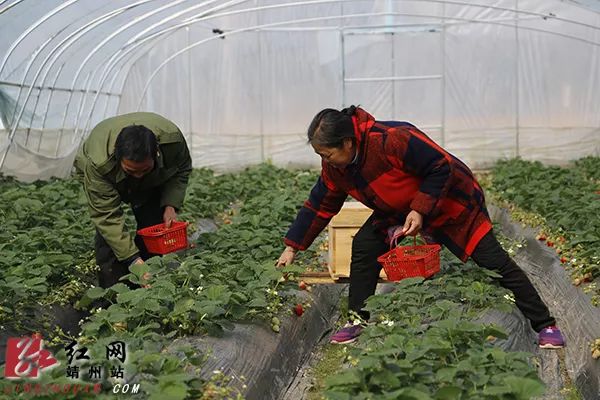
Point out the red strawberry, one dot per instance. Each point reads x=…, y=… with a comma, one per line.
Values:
x=563, y=260
x=302, y=285
x=298, y=309
x=541, y=237
x=550, y=244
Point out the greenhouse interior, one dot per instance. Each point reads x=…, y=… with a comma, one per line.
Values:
x=300, y=200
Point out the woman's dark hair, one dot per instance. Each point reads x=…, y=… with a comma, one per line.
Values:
x=136, y=143
x=330, y=127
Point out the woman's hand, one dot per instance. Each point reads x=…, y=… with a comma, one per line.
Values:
x=413, y=224
x=287, y=257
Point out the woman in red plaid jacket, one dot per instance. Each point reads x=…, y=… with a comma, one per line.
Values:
x=412, y=185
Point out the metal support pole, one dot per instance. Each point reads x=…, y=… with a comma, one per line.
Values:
x=45, y=113
x=443, y=79
x=517, y=83
x=261, y=81
x=37, y=100
x=390, y=22
x=342, y=55
x=189, y=85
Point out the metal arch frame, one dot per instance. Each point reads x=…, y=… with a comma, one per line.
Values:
x=281, y=23
x=111, y=59
x=110, y=64
x=31, y=28
x=55, y=53
x=106, y=40
x=86, y=28
x=84, y=97
x=71, y=38
x=8, y=7
x=485, y=6
x=313, y=2
x=14, y=123
x=453, y=2
x=82, y=30
x=195, y=18
x=178, y=14
x=45, y=113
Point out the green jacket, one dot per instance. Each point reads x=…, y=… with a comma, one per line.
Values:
x=105, y=183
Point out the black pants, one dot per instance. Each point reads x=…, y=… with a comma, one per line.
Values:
x=111, y=269
x=369, y=243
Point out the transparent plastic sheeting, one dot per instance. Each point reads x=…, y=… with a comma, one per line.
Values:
x=485, y=81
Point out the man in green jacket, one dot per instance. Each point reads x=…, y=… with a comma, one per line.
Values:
x=141, y=159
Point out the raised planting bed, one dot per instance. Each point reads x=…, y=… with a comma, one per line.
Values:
x=577, y=317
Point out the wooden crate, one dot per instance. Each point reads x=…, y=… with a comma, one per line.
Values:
x=342, y=229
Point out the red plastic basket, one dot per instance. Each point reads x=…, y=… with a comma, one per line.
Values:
x=161, y=240
x=410, y=261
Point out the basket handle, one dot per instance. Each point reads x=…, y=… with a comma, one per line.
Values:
x=394, y=241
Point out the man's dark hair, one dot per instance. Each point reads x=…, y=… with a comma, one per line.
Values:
x=136, y=143
x=330, y=127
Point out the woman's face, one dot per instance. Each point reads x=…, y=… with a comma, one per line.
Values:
x=337, y=157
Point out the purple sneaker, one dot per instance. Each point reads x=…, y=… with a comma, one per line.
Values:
x=551, y=338
x=348, y=334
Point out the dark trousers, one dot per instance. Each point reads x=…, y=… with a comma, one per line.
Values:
x=111, y=269
x=369, y=243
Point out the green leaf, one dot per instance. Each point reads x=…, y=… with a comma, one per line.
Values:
x=344, y=378
x=132, y=296
x=333, y=395
x=36, y=281
x=448, y=393
x=525, y=388
x=171, y=391
x=495, y=390
x=138, y=269
x=117, y=316
x=150, y=305
x=218, y=293
x=244, y=275
x=413, y=394
x=446, y=374
x=496, y=331
x=95, y=292
x=258, y=302
x=183, y=306
x=385, y=379
x=119, y=288
x=490, y=273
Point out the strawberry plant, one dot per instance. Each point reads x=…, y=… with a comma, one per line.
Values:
x=426, y=344
x=561, y=202
x=229, y=275
x=45, y=248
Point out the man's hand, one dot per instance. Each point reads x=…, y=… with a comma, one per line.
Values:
x=287, y=257
x=169, y=216
x=413, y=224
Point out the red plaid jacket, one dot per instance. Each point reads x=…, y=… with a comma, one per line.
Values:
x=399, y=169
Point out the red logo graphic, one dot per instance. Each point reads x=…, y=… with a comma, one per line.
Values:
x=25, y=357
